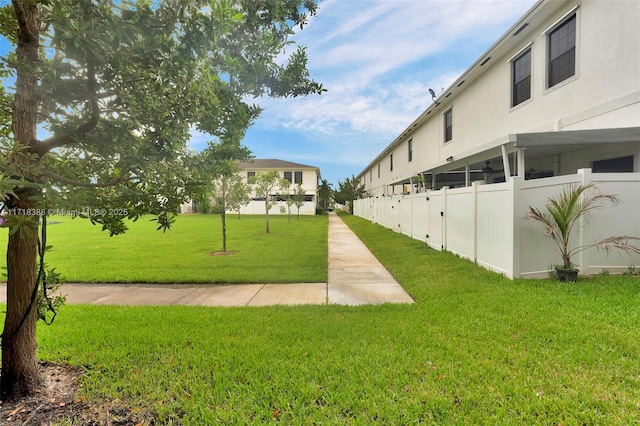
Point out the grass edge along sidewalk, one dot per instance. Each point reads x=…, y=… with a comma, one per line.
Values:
x=475, y=348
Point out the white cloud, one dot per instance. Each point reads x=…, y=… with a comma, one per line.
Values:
x=370, y=56
x=378, y=58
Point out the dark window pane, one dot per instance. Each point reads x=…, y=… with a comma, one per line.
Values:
x=521, y=67
x=298, y=176
x=448, y=125
x=562, y=52
x=614, y=165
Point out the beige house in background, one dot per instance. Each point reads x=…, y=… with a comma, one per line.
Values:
x=307, y=176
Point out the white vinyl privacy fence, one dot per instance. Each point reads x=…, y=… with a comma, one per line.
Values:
x=484, y=223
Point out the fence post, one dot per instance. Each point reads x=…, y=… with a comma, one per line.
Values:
x=515, y=186
x=585, y=178
x=475, y=212
x=443, y=216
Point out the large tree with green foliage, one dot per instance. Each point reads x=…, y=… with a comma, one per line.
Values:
x=116, y=86
x=348, y=190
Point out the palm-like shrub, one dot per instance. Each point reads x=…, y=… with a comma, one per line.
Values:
x=563, y=211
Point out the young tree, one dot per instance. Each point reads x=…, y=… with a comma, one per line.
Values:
x=299, y=197
x=265, y=186
x=219, y=178
x=225, y=184
x=285, y=187
x=239, y=194
x=117, y=85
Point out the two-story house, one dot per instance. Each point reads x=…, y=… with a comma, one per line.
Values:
x=559, y=92
x=307, y=176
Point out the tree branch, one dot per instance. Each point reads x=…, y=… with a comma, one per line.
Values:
x=42, y=147
x=23, y=24
x=62, y=179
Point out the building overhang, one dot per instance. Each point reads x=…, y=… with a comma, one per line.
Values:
x=536, y=144
x=547, y=143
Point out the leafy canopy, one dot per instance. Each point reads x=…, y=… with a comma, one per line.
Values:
x=348, y=190
x=120, y=84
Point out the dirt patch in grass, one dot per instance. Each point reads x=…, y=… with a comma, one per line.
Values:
x=222, y=253
x=56, y=402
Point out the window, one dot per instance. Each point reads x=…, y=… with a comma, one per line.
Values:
x=448, y=125
x=370, y=175
x=521, y=78
x=562, y=52
x=287, y=176
x=378, y=170
x=410, y=149
x=298, y=178
x=391, y=162
x=251, y=177
x=614, y=165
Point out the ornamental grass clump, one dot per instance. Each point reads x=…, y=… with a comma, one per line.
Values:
x=563, y=211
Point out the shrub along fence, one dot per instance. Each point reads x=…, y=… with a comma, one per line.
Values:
x=485, y=224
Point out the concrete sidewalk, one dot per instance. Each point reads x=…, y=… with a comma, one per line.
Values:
x=355, y=277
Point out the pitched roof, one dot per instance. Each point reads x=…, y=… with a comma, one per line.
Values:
x=273, y=164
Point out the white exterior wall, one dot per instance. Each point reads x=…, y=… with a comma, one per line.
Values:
x=309, y=179
x=258, y=207
x=604, y=93
x=309, y=183
x=484, y=223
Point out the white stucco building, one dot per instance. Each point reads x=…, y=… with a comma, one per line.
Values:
x=307, y=176
x=295, y=173
x=559, y=92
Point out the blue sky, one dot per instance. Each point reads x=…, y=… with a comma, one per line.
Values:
x=377, y=59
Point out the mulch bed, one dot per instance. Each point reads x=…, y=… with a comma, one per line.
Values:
x=57, y=401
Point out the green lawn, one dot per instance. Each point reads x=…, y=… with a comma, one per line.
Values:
x=291, y=252
x=475, y=348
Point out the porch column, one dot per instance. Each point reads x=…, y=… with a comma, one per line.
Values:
x=505, y=163
x=520, y=165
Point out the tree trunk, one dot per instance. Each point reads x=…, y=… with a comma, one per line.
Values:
x=20, y=375
x=223, y=216
x=224, y=229
x=266, y=208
